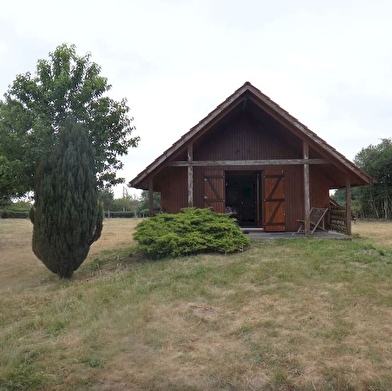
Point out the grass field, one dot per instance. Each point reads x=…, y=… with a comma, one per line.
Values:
x=299, y=314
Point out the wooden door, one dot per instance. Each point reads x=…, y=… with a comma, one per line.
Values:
x=274, y=200
x=214, y=190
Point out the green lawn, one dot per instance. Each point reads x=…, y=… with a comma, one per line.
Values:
x=299, y=314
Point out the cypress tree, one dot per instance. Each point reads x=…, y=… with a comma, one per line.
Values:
x=66, y=216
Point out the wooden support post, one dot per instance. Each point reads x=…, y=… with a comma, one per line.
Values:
x=190, y=175
x=348, y=206
x=151, y=197
x=305, y=146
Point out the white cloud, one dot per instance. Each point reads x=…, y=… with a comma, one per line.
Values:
x=328, y=63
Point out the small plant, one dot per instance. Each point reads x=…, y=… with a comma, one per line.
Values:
x=190, y=232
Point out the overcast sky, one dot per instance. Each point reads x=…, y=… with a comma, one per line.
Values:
x=329, y=63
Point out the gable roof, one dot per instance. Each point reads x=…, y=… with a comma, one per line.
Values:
x=247, y=90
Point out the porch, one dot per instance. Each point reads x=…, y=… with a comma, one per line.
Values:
x=260, y=234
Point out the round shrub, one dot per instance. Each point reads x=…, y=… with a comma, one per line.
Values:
x=192, y=231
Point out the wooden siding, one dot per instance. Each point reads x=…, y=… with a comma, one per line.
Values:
x=246, y=109
x=319, y=191
x=294, y=179
x=293, y=189
x=245, y=138
x=295, y=207
x=173, y=186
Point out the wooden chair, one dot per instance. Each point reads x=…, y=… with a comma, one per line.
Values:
x=316, y=217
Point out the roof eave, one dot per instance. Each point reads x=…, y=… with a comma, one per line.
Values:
x=188, y=136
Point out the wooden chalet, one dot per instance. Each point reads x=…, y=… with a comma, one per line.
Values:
x=252, y=159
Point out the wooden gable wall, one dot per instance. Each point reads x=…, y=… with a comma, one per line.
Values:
x=249, y=132
x=244, y=137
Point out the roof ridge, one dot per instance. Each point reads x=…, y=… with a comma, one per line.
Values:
x=268, y=102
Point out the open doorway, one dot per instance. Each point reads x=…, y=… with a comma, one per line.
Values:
x=242, y=195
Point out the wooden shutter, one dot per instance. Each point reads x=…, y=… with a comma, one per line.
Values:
x=274, y=200
x=214, y=190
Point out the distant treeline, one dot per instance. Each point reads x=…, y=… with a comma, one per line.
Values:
x=375, y=200
x=120, y=215
x=14, y=210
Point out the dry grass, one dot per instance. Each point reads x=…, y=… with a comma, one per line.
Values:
x=285, y=315
x=15, y=248
x=378, y=232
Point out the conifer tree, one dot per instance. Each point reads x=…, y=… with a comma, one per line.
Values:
x=67, y=216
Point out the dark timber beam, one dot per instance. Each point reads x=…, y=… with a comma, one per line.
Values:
x=190, y=175
x=274, y=162
x=150, y=197
x=348, y=206
x=305, y=147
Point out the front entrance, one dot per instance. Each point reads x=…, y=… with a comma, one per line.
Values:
x=254, y=198
x=242, y=196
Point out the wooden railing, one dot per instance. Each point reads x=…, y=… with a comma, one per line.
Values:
x=338, y=219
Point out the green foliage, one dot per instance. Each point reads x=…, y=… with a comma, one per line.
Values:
x=120, y=214
x=106, y=196
x=127, y=203
x=13, y=178
x=340, y=197
x=376, y=199
x=269, y=307
x=144, y=202
x=67, y=217
x=16, y=210
x=36, y=105
x=190, y=232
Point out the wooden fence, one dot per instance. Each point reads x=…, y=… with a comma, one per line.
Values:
x=338, y=219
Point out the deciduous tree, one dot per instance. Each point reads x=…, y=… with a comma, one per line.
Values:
x=126, y=203
x=36, y=105
x=376, y=199
x=13, y=179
